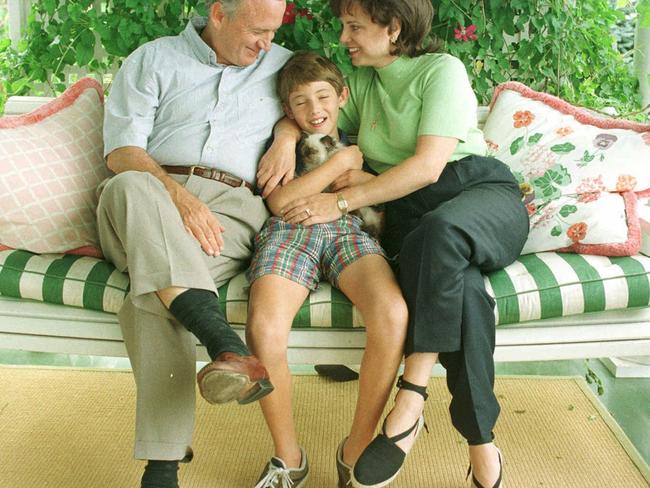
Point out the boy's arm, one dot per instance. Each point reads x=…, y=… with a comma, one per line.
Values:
x=316, y=180
x=279, y=161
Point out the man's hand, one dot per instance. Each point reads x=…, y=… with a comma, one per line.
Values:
x=277, y=165
x=350, y=178
x=199, y=221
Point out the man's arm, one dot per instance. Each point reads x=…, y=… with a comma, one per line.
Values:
x=197, y=218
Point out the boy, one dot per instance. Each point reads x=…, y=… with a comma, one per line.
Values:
x=290, y=260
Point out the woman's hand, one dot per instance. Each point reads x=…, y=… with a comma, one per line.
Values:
x=315, y=209
x=350, y=178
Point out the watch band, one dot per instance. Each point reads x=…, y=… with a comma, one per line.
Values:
x=342, y=203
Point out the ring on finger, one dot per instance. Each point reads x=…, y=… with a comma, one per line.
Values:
x=308, y=212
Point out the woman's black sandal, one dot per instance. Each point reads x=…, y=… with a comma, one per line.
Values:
x=382, y=460
x=497, y=484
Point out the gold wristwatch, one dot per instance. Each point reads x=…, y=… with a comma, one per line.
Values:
x=342, y=203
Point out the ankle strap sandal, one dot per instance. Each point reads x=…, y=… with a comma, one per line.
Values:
x=382, y=459
x=402, y=384
x=497, y=483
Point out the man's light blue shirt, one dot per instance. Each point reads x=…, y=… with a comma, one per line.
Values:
x=172, y=98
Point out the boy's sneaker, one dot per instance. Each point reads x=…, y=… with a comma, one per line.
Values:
x=277, y=475
x=344, y=471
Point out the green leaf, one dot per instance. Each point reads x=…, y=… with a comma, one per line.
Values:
x=556, y=231
x=84, y=53
x=565, y=148
x=587, y=157
x=17, y=85
x=516, y=145
x=49, y=6
x=643, y=7
x=567, y=210
x=558, y=175
x=535, y=138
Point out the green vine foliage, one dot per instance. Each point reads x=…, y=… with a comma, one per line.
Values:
x=61, y=34
x=564, y=47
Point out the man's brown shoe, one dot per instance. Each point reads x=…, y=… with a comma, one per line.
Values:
x=233, y=377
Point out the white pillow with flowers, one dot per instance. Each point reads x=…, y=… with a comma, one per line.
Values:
x=580, y=174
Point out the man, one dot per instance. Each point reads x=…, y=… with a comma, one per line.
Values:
x=185, y=126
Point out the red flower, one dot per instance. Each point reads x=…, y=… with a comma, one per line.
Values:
x=290, y=14
x=589, y=197
x=625, y=183
x=493, y=147
x=465, y=33
x=564, y=131
x=523, y=118
x=577, y=232
x=303, y=12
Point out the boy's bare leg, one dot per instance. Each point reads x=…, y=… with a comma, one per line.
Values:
x=273, y=304
x=371, y=285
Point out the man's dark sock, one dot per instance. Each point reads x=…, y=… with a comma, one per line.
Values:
x=198, y=311
x=160, y=474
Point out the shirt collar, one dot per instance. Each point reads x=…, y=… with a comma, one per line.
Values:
x=394, y=71
x=192, y=35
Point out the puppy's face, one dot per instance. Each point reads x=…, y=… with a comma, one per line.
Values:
x=315, y=149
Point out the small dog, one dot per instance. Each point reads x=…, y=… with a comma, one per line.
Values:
x=314, y=150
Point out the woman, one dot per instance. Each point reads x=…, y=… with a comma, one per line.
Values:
x=451, y=215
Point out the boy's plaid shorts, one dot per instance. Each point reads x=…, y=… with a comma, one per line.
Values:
x=307, y=254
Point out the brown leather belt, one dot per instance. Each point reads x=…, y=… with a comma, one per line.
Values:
x=209, y=173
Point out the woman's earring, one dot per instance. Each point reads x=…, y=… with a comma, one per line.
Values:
x=393, y=39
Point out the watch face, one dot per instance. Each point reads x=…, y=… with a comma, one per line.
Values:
x=342, y=203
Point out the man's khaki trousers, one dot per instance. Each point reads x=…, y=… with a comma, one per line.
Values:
x=141, y=233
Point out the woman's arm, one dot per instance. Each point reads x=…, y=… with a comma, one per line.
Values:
x=316, y=180
x=421, y=169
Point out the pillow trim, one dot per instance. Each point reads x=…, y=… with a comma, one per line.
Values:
x=628, y=248
x=67, y=98
x=580, y=114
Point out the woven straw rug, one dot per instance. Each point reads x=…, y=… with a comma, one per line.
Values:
x=74, y=428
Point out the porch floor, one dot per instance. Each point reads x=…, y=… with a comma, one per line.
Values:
x=627, y=400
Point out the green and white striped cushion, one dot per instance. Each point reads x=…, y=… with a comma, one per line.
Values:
x=549, y=284
x=537, y=286
x=79, y=281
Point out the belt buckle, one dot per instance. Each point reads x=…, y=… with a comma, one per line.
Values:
x=194, y=167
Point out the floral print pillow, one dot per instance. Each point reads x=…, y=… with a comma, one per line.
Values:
x=580, y=175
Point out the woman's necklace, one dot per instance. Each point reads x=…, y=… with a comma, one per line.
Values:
x=383, y=96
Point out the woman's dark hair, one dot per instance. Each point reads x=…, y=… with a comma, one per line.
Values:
x=415, y=17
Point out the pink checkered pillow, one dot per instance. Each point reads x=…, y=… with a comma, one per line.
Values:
x=51, y=161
